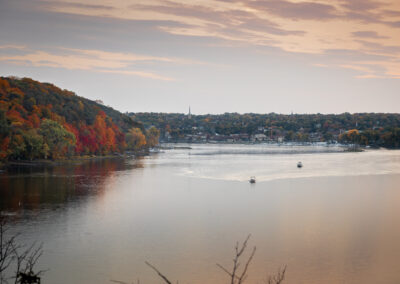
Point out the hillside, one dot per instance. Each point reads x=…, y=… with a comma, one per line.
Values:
x=39, y=120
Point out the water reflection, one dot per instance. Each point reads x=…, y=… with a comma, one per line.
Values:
x=334, y=223
x=37, y=187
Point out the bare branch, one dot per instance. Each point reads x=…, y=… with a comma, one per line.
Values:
x=7, y=245
x=243, y=277
x=120, y=282
x=224, y=269
x=234, y=276
x=159, y=273
x=33, y=257
x=20, y=256
x=278, y=278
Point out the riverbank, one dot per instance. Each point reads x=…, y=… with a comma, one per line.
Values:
x=66, y=161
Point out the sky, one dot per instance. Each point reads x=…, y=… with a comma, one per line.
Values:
x=216, y=56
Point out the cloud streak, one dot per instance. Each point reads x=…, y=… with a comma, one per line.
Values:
x=76, y=5
x=15, y=47
x=368, y=34
x=89, y=60
x=295, y=10
x=295, y=26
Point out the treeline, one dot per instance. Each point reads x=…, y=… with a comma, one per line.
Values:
x=41, y=121
x=389, y=138
x=374, y=129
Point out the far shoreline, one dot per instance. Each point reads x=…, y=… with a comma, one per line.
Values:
x=170, y=146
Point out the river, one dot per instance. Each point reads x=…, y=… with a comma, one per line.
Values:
x=332, y=221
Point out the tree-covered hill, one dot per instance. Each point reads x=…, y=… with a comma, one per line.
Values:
x=73, y=108
x=39, y=120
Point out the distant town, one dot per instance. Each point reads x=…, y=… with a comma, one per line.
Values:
x=365, y=129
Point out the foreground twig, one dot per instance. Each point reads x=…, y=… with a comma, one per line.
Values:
x=6, y=248
x=239, y=278
x=122, y=282
x=236, y=277
x=23, y=258
x=119, y=282
x=159, y=273
x=278, y=278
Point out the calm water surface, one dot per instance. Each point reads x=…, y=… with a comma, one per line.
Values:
x=336, y=220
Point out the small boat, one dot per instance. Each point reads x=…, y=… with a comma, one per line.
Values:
x=252, y=179
x=299, y=165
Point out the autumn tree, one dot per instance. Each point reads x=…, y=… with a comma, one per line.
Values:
x=135, y=139
x=152, y=137
x=353, y=136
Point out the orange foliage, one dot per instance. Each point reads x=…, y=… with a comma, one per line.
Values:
x=352, y=131
x=4, y=87
x=111, y=140
x=4, y=105
x=136, y=139
x=4, y=147
x=57, y=118
x=15, y=117
x=106, y=133
x=16, y=92
x=37, y=110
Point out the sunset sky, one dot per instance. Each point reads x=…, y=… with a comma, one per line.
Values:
x=327, y=56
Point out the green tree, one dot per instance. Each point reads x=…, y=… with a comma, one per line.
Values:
x=46, y=150
x=57, y=138
x=34, y=148
x=17, y=146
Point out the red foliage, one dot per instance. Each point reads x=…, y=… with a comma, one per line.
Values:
x=4, y=147
x=4, y=87
x=72, y=129
x=88, y=138
x=15, y=118
x=34, y=120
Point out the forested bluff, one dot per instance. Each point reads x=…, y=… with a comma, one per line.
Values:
x=41, y=121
